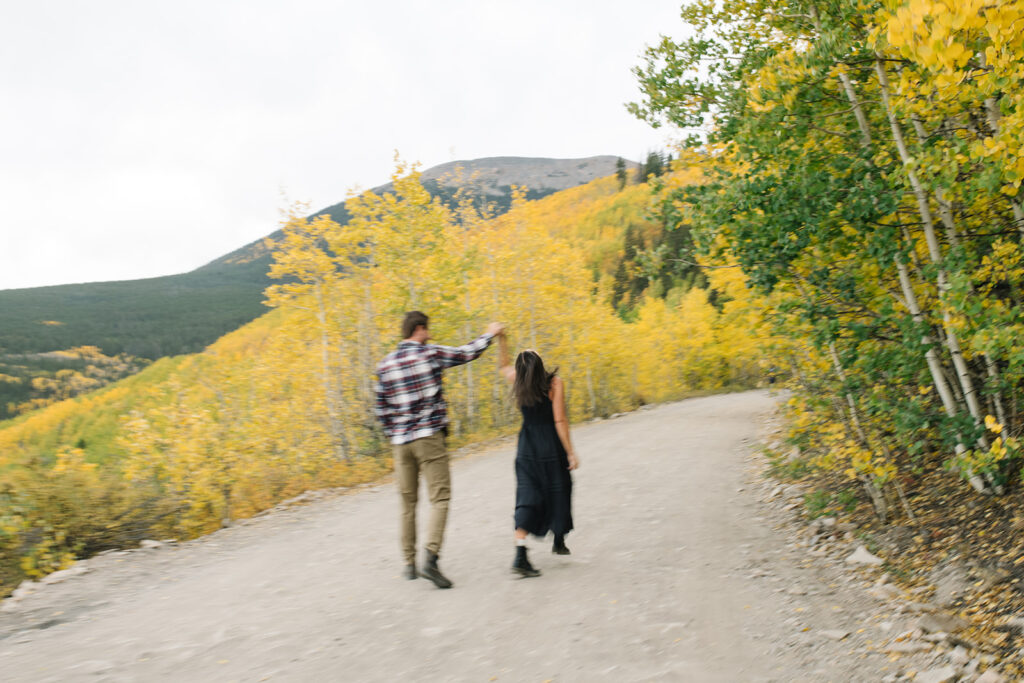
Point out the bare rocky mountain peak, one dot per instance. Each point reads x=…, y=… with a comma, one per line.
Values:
x=490, y=177
x=493, y=175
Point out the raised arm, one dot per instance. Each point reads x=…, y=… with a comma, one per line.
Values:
x=450, y=356
x=504, y=361
x=562, y=419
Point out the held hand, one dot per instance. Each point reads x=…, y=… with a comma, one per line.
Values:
x=495, y=329
x=574, y=462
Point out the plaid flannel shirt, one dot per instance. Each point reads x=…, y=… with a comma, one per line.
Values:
x=410, y=403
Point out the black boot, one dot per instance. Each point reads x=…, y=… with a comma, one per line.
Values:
x=559, y=547
x=521, y=565
x=410, y=571
x=430, y=571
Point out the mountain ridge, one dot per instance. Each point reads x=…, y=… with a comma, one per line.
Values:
x=183, y=313
x=540, y=176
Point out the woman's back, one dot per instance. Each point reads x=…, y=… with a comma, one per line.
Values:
x=539, y=413
x=538, y=438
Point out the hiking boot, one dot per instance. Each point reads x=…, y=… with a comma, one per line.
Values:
x=410, y=571
x=522, y=565
x=430, y=571
x=559, y=547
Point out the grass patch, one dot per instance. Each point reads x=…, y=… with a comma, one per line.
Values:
x=785, y=466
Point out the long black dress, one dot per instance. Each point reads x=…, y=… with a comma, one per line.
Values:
x=543, y=482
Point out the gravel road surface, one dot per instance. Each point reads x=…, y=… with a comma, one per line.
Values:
x=678, y=572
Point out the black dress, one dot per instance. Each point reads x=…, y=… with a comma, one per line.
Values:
x=543, y=482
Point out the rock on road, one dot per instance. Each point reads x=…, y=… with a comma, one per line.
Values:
x=657, y=586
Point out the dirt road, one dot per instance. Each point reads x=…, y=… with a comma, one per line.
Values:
x=676, y=574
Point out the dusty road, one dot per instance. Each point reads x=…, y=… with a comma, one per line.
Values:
x=667, y=581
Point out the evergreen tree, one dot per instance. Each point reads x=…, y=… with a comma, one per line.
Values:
x=620, y=172
x=655, y=164
x=641, y=172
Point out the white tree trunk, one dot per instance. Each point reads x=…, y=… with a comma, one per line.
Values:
x=934, y=250
x=934, y=366
x=334, y=422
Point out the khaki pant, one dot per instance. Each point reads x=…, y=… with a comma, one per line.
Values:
x=426, y=455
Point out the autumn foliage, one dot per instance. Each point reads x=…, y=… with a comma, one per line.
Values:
x=864, y=167
x=32, y=381
x=284, y=404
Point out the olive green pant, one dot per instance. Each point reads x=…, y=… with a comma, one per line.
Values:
x=429, y=456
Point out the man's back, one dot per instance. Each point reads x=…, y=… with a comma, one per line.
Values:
x=410, y=400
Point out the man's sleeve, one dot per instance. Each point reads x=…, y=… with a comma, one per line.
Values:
x=450, y=356
x=381, y=408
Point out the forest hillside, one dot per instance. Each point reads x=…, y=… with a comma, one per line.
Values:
x=134, y=322
x=284, y=403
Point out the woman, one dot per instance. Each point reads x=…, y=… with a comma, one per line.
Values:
x=544, y=455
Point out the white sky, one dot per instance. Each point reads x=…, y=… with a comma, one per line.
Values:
x=140, y=139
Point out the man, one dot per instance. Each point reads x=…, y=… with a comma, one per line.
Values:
x=410, y=405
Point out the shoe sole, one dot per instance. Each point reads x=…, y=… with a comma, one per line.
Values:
x=526, y=573
x=561, y=552
x=440, y=582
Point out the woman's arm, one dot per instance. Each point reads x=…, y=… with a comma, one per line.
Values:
x=506, y=369
x=562, y=419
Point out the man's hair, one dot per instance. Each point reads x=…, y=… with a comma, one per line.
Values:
x=411, y=321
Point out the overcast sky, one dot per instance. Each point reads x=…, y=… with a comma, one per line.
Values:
x=140, y=139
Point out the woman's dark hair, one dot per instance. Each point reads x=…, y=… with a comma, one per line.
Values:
x=411, y=321
x=532, y=381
